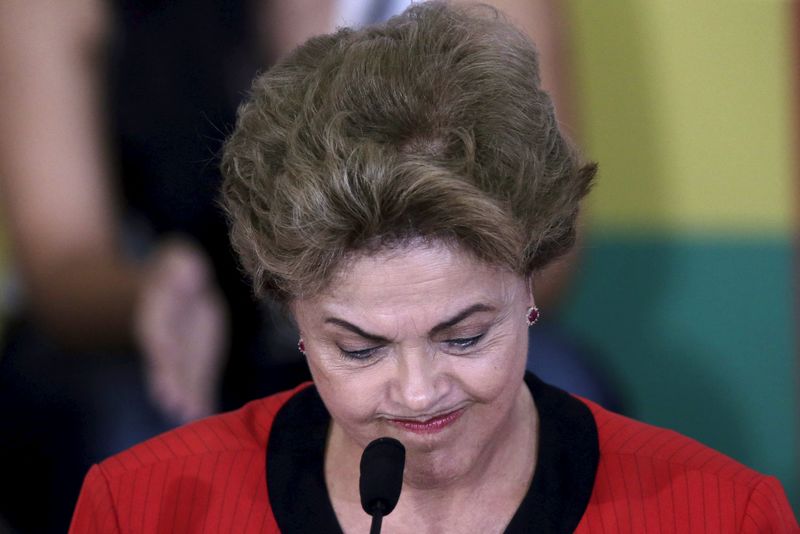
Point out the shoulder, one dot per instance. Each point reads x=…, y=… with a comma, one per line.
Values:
x=627, y=440
x=646, y=474
x=212, y=470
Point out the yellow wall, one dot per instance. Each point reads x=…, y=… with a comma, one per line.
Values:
x=686, y=106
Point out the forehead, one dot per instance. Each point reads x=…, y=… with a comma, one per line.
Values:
x=419, y=275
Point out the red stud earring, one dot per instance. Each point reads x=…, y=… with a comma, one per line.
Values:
x=533, y=315
x=301, y=346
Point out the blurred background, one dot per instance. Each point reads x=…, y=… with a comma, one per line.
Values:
x=688, y=284
x=679, y=308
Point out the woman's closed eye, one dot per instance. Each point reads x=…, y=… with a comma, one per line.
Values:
x=458, y=344
x=464, y=343
x=360, y=354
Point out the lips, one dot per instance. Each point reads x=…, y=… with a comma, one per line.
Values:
x=429, y=426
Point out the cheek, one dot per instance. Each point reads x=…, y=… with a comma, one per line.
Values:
x=349, y=395
x=503, y=363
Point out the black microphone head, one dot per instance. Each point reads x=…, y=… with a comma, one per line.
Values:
x=381, y=477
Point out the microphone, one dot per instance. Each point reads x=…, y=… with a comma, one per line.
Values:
x=381, y=478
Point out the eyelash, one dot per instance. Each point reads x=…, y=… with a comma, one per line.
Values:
x=365, y=354
x=464, y=343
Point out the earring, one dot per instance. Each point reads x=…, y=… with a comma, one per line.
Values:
x=301, y=346
x=533, y=315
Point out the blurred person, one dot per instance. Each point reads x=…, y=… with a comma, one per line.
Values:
x=397, y=189
x=111, y=116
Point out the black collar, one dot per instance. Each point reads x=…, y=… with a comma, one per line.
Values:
x=555, y=502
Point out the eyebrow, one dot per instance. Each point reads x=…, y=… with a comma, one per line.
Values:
x=444, y=325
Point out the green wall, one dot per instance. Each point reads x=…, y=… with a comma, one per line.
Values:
x=699, y=334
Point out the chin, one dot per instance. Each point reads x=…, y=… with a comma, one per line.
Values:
x=436, y=459
x=430, y=464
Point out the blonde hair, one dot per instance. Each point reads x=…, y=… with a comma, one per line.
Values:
x=433, y=126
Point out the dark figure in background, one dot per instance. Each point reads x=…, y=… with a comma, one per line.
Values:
x=187, y=64
x=120, y=245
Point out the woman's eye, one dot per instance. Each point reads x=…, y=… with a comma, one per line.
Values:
x=362, y=354
x=465, y=342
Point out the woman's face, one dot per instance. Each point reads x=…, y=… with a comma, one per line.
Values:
x=425, y=344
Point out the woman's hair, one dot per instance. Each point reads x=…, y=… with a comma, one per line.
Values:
x=432, y=126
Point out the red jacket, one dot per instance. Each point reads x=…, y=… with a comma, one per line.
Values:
x=597, y=472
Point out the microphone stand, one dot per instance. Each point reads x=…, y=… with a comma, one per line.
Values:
x=377, y=518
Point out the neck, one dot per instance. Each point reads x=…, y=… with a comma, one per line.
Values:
x=498, y=479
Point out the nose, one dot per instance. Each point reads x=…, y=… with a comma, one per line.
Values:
x=417, y=384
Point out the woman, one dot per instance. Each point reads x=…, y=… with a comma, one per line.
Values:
x=396, y=188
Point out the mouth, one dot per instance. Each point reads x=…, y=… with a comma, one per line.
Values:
x=429, y=426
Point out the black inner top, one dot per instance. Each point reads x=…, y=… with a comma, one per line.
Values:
x=555, y=502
